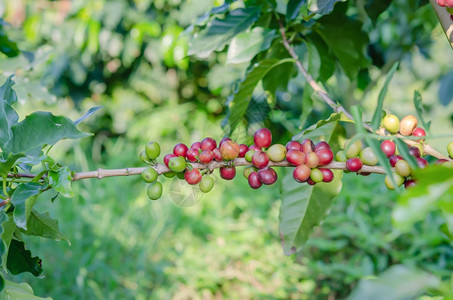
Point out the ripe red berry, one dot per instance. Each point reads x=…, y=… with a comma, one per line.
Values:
x=193, y=176
x=293, y=145
x=217, y=154
x=167, y=158
x=409, y=183
x=243, y=150
x=414, y=151
x=254, y=148
x=295, y=157
x=227, y=173
x=206, y=156
x=225, y=139
x=254, y=181
x=419, y=132
x=192, y=155
x=229, y=150
x=311, y=160
x=196, y=145
x=354, y=164
x=260, y=159
x=208, y=144
x=263, y=138
x=267, y=176
x=310, y=181
x=325, y=156
x=388, y=147
x=394, y=159
x=180, y=150
x=327, y=175
x=308, y=146
x=449, y=3
x=321, y=145
x=422, y=163
x=440, y=3
x=301, y=173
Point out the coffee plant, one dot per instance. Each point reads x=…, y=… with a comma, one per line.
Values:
x=290, y=49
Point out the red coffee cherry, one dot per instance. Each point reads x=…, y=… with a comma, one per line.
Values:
x=263, y=138
x=414, y=151
x=388, y=147
x=422, y=163
x=254, y=148
x=407, y=125
x=301, y=173
x=227, y=173
x=206, y=156
x=354, y=164
x=217, y=154
x=192, y=155
x=311, y=160
x=440, y=3
x=267, y=176
x=225, y=139
x=254, y=181
x=307, y=146
x=325, y=156
x=180, y=150
x=193, y=176
x=409, y=183
x=167, y=158
x=295, y=157
x=321, y=145
x=293, y=145
x=196, y=145
x=327, y=174
x=260, y=159
x=229, y=150
x=310, y=181
x=419, y=132
x=394, y=159
x=243, y=150
x=208, y=144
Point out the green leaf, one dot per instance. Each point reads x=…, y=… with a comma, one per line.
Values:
x=2, y=283
x=19, y=291
x=375, y=7
x=8, y=163
x=398, y=282
x=327, y=67
x=305, y=206
x=323, y=128
x=23, y=199
x=8, y=116
x=378, y=111
x=61, y=181
x=420, y=111
x=39, y=129
x=219, y=32
x=434, y=190
x=3, y=245
x=293, y=8
x=322, y=7
x=205, y=17
x=6, y=91
x=89, y=113
x=346, y=39
x=20, y=260
x=246, y=45
x=238, y=103
x=7, y=47
x=43, y=225
x=8, y=227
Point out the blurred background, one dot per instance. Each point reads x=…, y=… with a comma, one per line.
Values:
x=130, y=57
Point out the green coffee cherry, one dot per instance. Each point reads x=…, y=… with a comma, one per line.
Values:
x=154, y=190
x=316, y=175
x=206, y=184
x=398, y=179
x=249, y=170
x=170, y=174
x=352, y=150
x=177, y=164
x=144, y=157
x=391, y=123
x=341, y=156
x=403, y=168
x=276, y=152
x=450, y=149
x=149, y=175
x=152, y=150
x=248, y=156
x=368, y=157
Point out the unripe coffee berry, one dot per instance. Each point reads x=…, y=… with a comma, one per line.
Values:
x=208, y=144
x=149, y=175
x=341, y=156
x=368, y=157
x=407, y=125
x=249, y=170
x=249, y=155
x=180, y=150
x=352, y=149
x=301, y=173
x=227, y=173
x=267, y=176
x=276, y=152
x=263, y=138
x=403, y=168
x=254, y=181
x=450, y=149
x=295, y=157
x=193, y=176
x=391, y=123
x=388, y=147
x=167, y=158
x=152, y=150
x=143, y=157
x=154, y=190
x=354, y=164
x=206, y=184
x=316, y=175
x=177, y=164
x=307, y=146
x=229, y=150
x=388, y=181
x=260, y=159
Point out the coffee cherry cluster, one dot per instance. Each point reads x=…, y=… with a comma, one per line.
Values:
x=448, y=4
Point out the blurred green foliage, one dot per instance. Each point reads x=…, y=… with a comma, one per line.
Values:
x=131, y=57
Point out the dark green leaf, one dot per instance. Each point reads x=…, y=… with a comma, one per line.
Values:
x=8, y=116
x=375, y=7
x=8, y=163
x=322, y=127
x=322, y=7
x=327, y=67
x=420, y=111
x=238, y=103
x=346, y=39
x=89, y=113
x=43, y=225
x=8, y=47
x=20, y=260
x=246, y=45
x=2, y=283
x=6, y=91
x=205, y=17
x=398, y=282
x=39, y=129
x=219, y=32
x=293, y=8
x=8, y=227
x=20, y=291
x=378, y=111
x=61, y=181
x=3, y=245
x=23, y=199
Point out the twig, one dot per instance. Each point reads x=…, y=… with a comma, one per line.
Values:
x=338, y=107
